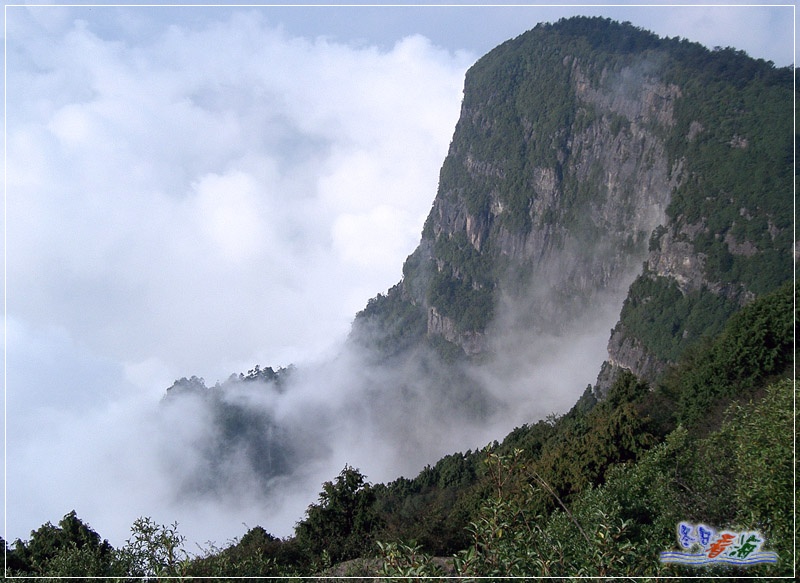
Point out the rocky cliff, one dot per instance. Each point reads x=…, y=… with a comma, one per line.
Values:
x=727, y=237
x=593, y=160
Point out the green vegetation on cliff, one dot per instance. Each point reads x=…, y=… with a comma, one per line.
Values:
x=664, y=319
x=529, y=174
x=731, y=150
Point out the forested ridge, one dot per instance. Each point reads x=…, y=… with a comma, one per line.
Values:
x=706, y=437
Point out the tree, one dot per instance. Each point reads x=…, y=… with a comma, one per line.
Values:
x=71, y=549
x=341, y=525
x=154, y=550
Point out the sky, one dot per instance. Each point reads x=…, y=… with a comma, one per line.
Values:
x=196, y=190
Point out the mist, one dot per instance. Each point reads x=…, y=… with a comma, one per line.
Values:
x=222, y=457
x=193, y=193
x=270, y=444
x=194, y=200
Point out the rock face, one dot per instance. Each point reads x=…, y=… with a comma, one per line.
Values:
x=626, y=351
x=572, y=223
x=471, y=341
x=586, y=158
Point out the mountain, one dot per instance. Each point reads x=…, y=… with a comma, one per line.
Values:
x=608, y=195
x=598, y=176
x=595, y=160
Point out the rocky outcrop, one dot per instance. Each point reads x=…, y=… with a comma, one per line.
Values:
x=675, y=257
x=472, y=342
x=626, y=352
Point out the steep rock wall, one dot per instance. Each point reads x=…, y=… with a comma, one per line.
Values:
x=593, y=160
x=589, y=206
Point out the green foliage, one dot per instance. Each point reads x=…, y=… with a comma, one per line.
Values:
x=737, y=164
x=506, y=531
x=667, y=321
x=471, y=308
x=256, y=554
x=390, y=323
x=530, y=438
x=434, y=507
x=763, y=452
x=603, y=35
x=71, y=549
x=268, y=375
x=237, y=428
x=154, y=550
x=510, y=540
x=757, y=342
x=399, y=560
x=584, y=445
x=740, y=477
x=473, y=265
x=525, y=129
x=342, y=524
x=463, y=288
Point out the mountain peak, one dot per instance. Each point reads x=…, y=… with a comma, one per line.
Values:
x=585, y=150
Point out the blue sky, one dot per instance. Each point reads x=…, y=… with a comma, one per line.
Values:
x=763, y=29
x=194, y=190
x=762, y=32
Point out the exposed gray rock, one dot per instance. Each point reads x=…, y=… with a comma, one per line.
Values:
x=472, y=342
x=627, y=352
x=581, y=243
x=550, y=219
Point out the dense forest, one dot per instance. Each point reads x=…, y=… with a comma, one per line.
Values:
x=705, y=439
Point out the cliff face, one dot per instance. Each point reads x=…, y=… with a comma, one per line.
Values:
x=559, y=196
x=598, y=174
x=588, y=154
x=587, y=215
x=727, y=234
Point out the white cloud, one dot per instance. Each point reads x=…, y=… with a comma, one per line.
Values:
x=229, y=214
x=373, y=238
x=231, y=152
x=193, y=202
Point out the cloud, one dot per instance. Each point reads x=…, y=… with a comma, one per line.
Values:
x=230, y=153
x=191, y=201
x=229, y=214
